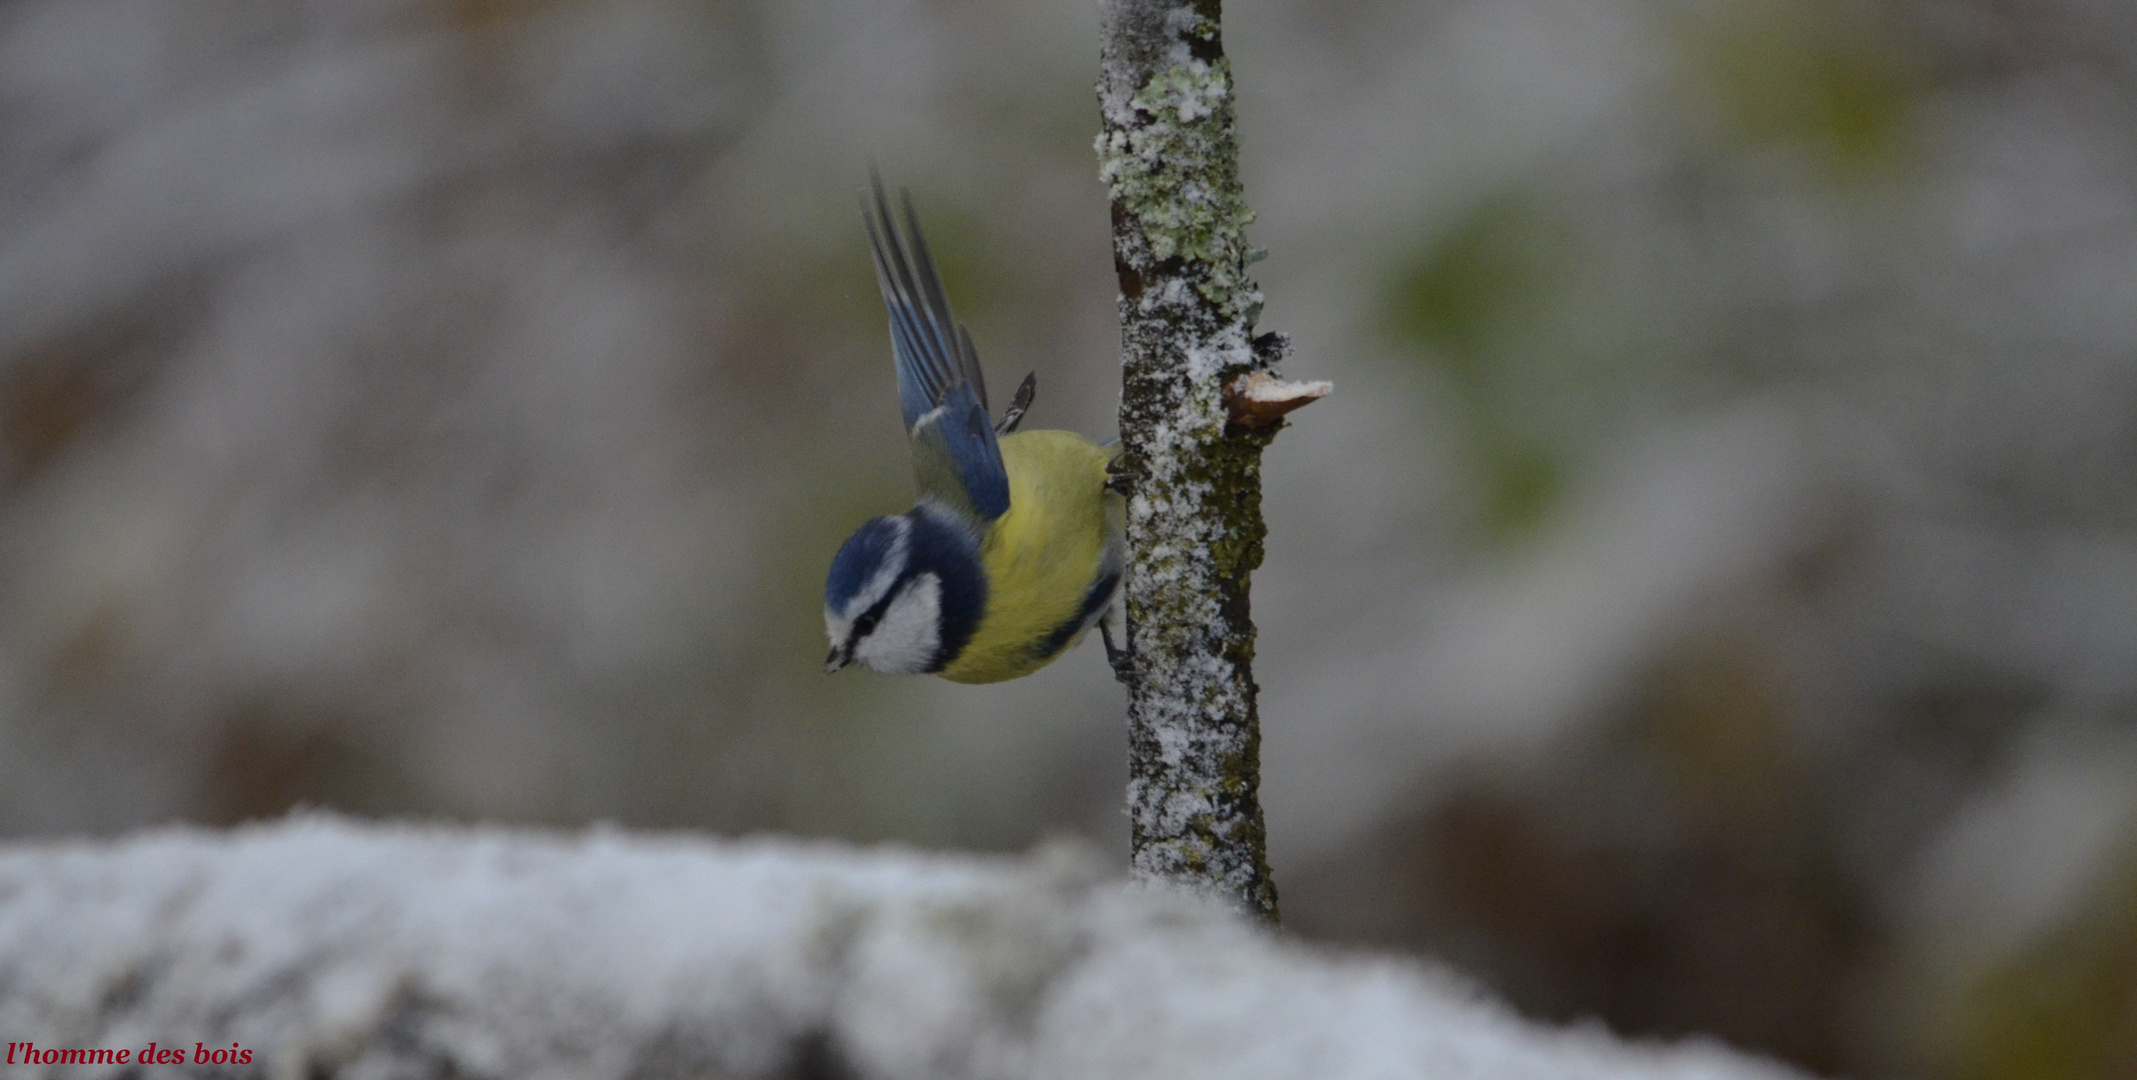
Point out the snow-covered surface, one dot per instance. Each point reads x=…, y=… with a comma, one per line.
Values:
x=333, y=947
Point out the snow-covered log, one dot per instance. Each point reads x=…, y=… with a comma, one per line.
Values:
x=327, y=947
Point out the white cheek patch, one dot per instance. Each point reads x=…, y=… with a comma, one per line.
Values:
x=838, y=625
x=904, y=643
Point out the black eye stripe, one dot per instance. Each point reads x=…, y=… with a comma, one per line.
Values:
x=866, y=624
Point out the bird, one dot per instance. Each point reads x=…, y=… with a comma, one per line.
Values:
x=1014, y=547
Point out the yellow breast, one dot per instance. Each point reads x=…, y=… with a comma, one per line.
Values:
x=1041, y=557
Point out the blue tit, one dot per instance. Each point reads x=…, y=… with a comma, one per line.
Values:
x=1015, y=547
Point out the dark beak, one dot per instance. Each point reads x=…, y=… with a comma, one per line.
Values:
x=835, y=661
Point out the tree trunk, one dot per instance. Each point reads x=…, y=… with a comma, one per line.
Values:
x=1192, y=435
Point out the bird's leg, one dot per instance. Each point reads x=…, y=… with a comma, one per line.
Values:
x=1122, y=663
x=1019, y=405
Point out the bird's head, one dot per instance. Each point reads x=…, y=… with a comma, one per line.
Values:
x=904, y=594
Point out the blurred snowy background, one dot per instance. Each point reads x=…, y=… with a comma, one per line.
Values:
x=1709, y=602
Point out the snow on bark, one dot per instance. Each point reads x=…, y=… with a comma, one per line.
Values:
x=332, y=948
x=1170, y=161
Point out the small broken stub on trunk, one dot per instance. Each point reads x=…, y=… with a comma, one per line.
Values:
x=1258, y=400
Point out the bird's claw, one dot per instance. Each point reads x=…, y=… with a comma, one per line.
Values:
x=1122, y=663
x=1117, y=479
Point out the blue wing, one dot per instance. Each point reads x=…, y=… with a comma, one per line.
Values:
x=941, y=389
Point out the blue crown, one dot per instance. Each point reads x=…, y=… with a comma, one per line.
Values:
x=859, y=559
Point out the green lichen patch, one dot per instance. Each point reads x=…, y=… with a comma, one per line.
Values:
x=1174, y=173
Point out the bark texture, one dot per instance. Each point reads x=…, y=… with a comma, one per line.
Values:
x=1170, y=160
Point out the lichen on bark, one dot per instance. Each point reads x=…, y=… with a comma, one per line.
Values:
x=1168, y=154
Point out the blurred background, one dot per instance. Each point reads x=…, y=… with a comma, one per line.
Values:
x=1708, y=603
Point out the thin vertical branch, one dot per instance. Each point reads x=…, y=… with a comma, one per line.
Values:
x=1195, y=415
